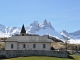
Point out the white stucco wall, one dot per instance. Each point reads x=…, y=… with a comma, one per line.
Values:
x=29, y=46
x=8, y=45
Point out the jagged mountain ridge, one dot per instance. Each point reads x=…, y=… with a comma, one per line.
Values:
x=6, y=31
x=73, y=35
x=72, y=38
x=35, y=28
x=43, y=28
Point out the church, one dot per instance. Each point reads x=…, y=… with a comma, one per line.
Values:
x=25, y=41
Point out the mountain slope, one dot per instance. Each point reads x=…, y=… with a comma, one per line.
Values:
x=34, y=28
x=8, y=31
x=43, y=28
x=73, y=38
x=65, y=35
x=74, y=35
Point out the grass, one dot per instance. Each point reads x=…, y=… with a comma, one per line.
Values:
x=72, y=57
x=38, y=58
x=76, y=57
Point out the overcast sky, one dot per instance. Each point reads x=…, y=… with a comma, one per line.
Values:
x=63, y=14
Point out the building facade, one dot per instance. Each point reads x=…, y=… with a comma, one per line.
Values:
x=25, y=41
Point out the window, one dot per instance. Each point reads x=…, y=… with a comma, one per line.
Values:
x=44, y=46
x=11, y=45
x=24, y=46
x=34, y=45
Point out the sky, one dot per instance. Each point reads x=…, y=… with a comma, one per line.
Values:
x=63, y=14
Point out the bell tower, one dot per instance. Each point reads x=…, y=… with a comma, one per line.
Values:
x=23, y=31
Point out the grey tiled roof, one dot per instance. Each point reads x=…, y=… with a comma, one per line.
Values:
x=29, y=39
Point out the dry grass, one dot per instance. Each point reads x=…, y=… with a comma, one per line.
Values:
x=2, y=45
x=58, y=45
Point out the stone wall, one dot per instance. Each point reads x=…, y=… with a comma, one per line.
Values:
x=18, y=53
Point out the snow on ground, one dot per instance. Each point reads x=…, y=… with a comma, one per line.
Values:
x=71, y=41
x=4, y=35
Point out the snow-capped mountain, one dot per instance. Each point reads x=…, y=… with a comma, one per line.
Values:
x=34, y=26
x=74, y=35
x=73, y=38
x=45, y=24
x=8, y=31
x=65, y=35
x=43, y=28
x=2, y=28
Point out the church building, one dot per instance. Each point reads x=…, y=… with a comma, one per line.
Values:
x=25, y=41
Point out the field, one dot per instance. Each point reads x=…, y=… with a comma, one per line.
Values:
x=74, y=57
x=38, y=58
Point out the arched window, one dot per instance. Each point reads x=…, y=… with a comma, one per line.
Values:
x=11, y=46
x=34, y=45
x=24, y=46
x=44, y=46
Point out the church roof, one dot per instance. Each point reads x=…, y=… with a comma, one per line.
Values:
x=29, y=39
x=23, y=29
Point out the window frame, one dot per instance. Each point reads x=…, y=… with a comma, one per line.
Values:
x=24, y=45
x=12, y=46
x=44, y=45
x=34, y=45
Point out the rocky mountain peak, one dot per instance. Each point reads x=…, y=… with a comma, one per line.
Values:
x=2, y=28
x=45, y=24
x=34, y=26
x=64, y=32
x=35, y=23
x=76, y=33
